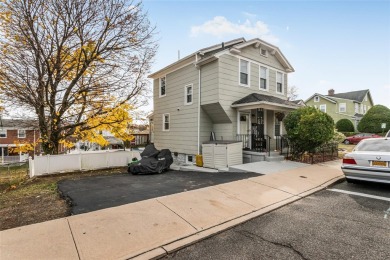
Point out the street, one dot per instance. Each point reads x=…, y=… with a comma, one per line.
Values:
x=345, y=221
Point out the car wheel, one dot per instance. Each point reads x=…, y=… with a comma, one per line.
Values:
x=346, y=142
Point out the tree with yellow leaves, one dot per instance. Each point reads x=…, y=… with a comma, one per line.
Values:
x=76, y=64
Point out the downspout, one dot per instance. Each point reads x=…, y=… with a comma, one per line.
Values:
x=199, y=84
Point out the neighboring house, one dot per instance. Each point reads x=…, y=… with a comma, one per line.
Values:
x=141, y=134
x=17, y=131
x=350, y=105
x=234, y=89
x=299, y=102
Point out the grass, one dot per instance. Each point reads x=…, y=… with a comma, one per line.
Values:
x=11, y=176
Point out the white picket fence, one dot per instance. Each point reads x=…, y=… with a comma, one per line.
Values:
x=50, y=164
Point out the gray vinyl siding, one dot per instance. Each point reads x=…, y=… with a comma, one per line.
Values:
x=254, y=54
x=209, y=79
x=183, y=134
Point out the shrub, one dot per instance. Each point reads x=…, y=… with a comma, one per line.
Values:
x=308, y=128
x=338, y=137
x=345, y=125
x=373, y=119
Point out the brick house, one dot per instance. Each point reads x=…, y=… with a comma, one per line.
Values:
x=14, y=131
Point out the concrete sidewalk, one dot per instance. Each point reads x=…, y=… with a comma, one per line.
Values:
x=155, y=227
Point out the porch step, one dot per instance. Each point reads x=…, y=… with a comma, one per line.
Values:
x=277, y=158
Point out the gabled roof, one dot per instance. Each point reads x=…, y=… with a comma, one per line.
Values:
x=211, y=53
x=353, y=95
x=323, y=96
x=256, y=98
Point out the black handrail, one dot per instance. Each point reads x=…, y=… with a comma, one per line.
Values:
x=268, y=138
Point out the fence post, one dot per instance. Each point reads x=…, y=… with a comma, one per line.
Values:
x=80, y=161
x=48, y=164
x=31, y=171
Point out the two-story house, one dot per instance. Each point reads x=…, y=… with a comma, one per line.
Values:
x=17, y=131
x=350, y=105
x=235, y=90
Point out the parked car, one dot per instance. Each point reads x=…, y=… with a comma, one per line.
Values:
x=358, y=137
x=369, y=161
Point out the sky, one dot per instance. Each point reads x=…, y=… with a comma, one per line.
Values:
x=344, y=45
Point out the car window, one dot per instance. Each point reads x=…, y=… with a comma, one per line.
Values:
x=374, y=145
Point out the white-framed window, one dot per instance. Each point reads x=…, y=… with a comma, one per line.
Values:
x=244, y=73
x=323, y=108
x=190, y=159
x=188, y=94
x=342, y=107
x=21, y=133
x=364, y=109
x=3, y=133
x=263, y=78
x=279, y=82
x=263, y=52
x=356, y=108
x=316, y=99
x=166, y=122
x=162, y=87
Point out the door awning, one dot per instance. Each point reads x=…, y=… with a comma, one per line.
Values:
x=256, y=100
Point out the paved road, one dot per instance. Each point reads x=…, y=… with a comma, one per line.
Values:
x=99, y=192
x=327, y=225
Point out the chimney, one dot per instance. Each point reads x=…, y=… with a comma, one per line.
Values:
x=331, y=92
x=223, y=45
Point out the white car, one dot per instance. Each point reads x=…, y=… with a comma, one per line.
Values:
x=369, y=161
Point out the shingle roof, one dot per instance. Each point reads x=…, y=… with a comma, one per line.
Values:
x=353, y=95
x=19, y=123
x=255, y=97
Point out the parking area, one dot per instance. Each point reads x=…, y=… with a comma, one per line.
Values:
x=99, y=192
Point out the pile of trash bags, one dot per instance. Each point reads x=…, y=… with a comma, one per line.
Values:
x=152, y=161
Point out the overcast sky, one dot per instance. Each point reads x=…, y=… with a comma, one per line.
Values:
x=344, y=45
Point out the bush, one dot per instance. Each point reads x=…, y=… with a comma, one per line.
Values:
x=345, y=125
x=373, y=119
x=338, y=137
x=308, y=128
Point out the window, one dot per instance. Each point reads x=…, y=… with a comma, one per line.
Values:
x=342, y=107
x=316, y=99
x=166, y=122
x=162, y=86
x=188, y=95
x=279, y=82
x=3, y=133
x=263, y=78
x=244, y=72
x=21, y=133
x=356, y=108
x=323, y=108
x=364, y=109
x=190, y=159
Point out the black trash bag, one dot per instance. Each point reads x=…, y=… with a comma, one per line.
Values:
x=152, y=162
x=150, y=151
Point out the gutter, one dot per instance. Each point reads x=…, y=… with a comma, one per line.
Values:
x=199, y=84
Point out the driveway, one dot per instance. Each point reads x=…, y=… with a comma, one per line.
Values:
x=99, y=192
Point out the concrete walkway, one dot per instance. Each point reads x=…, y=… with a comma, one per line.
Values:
x=152, y=228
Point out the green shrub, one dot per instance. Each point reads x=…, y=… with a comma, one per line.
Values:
x=373, y=119
x=308, y=128
x=345, y=125
x=338, y=137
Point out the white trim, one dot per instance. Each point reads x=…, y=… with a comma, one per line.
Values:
x=265, y=121
x=280, y=125
x=25, y=133
x=163, y=122
x=323, y=105
x=249, y=73
x=345, y=107
x=276, y=83
x=266, y=78
x=255, y=104
x=159, y=86
x=186, y=94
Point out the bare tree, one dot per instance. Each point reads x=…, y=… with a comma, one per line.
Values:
x=68, y=61
x=292, y=92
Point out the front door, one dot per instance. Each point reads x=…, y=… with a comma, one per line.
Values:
x=258, y=143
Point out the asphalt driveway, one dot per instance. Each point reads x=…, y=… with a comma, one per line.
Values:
x=99, y=192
